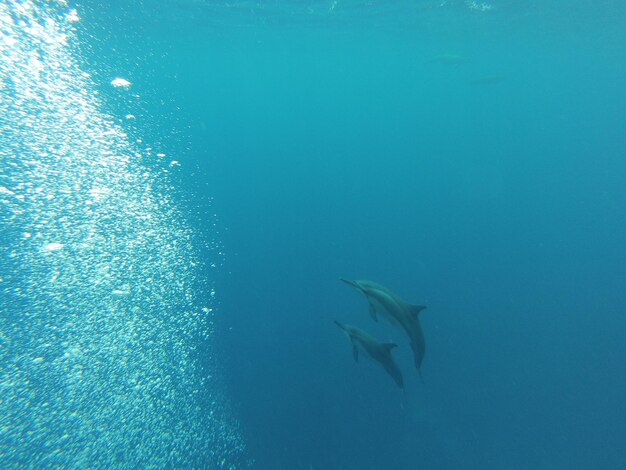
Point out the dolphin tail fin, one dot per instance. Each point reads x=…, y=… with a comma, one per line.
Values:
x=419, y=372
x=416, y=309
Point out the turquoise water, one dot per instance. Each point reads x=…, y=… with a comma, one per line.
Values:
x=171, y=243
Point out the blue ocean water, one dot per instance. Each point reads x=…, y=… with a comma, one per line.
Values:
x=171, y=245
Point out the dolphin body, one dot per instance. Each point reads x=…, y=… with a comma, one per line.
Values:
x=399, y=313
x=380, y=352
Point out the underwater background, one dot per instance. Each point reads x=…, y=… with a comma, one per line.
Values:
x=183, y=183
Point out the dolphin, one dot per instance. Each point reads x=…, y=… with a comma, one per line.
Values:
x=380, y=352
x=399, y=313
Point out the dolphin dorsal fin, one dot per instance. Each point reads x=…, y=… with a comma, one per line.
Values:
x=389, y=346
x=414, y=310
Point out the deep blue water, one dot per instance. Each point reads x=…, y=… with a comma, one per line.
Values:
x=473, y=161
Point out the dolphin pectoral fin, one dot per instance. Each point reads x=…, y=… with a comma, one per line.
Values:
x=418, y=364
x=414, y=310
x=355, y=353
x=389, y=346
x=373, y=313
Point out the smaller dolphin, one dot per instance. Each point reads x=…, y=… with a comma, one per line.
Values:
x=380, y=352
x=396, y=311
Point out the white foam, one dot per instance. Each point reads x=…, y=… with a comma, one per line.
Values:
x=53, y=246
x=120, y=83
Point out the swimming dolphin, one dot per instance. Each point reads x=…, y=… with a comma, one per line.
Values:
x=397, y=312
x=380, y=352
